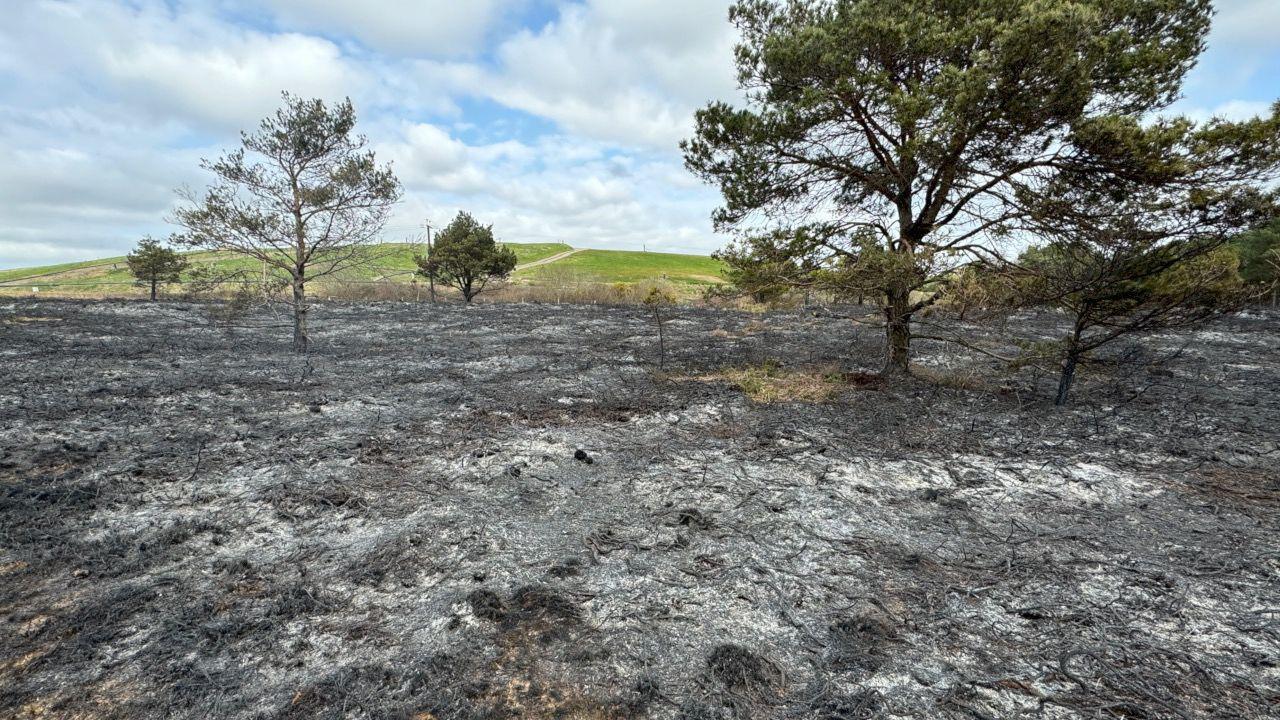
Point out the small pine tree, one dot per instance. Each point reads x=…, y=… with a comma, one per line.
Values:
x=303, y=195
x=466, y=256
x=657, y=300
x=152, y=263
x=1133, y=260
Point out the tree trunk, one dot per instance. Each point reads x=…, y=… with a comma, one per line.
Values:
x=662, y=341
x=897, y=332
x=1069, y=364
x=1065, y=381
x=301, y=341
x=431, y=277
x=153, y=290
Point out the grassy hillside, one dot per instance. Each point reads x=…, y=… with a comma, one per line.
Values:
x=19, y=273
x=389, y=261
x=629, y=266
x=393, y=262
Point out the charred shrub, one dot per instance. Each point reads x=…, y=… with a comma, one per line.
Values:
x=486, y=604
x=859, y=643
x=702, y=711
x=743, y=671
x=106, y=617
x=643, y=693
x=543, y=602
x=396, y=560
x=301, y=598
x=547, y=612
x=864, y=705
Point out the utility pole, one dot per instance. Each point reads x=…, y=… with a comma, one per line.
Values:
x=431, y=276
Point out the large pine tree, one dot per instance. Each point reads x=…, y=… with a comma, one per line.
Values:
x=888, y=138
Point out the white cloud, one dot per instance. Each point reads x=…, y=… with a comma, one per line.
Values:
x=560, y=189
x=1246, y=24
x=74, y=185
x=627, y=71
x=428, y=28
x=428, y=158
x=179, y=66
x=106, y=106
x=230, y=85
x=1234, y=110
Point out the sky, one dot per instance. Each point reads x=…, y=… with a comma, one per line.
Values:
x=555, y=121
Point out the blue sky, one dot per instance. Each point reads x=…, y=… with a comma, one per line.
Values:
x=554, y=120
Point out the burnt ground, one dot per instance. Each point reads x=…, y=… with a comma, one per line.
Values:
x=195, y=524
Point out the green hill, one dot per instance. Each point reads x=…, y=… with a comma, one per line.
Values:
x=540, y=263
x=629, y=266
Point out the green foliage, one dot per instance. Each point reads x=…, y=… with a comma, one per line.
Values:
x=466, y=256
x=1259, y=251
x=980, y=287
x=152, y=263
x=302, y=195
x=658, y=298
x=1109, y=286
x=886, y=140
x=768, y=266
x=1112, y=286
x=1140, y=244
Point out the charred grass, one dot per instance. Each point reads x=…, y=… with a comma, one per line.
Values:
x=505, y=512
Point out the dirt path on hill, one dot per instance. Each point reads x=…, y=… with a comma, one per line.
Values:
x=548, y=260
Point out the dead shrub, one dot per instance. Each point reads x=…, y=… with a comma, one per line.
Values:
x=368, y=291
x=580, y=292
x=1242, y=487
x=743, y=671
x=858, y=643
x=692, y=518
x=965, y=380
x=858, y=706
x=486, y=604
x=534, y=614
x=771, y=383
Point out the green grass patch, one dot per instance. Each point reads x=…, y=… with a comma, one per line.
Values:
x=629, y=266
x=391, y=261
x=43, y=270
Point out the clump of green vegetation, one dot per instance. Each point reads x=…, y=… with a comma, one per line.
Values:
x=152, y=264
x=466, y=256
